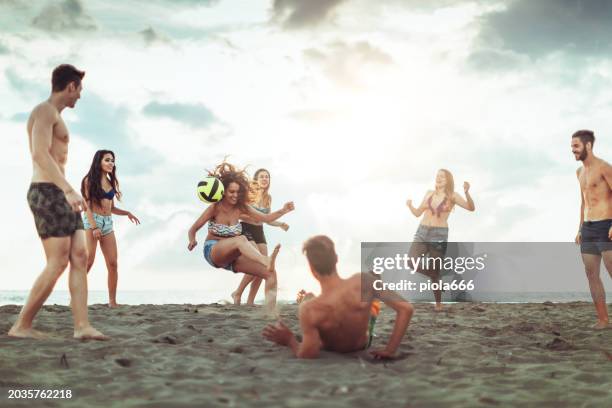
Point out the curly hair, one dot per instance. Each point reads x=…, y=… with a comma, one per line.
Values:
x=228, y=173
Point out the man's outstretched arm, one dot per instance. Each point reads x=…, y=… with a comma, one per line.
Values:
x=404, y=312
x=311, y=341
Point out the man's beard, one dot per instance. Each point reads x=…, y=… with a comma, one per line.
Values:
x=582, y=155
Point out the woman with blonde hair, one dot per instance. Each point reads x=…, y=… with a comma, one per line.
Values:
x=432, y=235
x=261, y=200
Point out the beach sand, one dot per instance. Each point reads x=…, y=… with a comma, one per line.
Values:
x=471, y=355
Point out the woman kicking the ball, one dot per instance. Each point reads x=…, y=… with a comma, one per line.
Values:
x=225, y=246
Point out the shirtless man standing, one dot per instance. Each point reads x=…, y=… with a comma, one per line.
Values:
x=337, y=320
x=56, y=208
x=595, y=229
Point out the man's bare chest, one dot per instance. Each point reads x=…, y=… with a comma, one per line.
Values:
x=591, y=180
x=60, y=133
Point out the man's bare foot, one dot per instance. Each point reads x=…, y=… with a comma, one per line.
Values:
x=438, y=307
x=26, y=333
x=272, y=258
x=236, y=298
x=89, y=333
x=113, y=305
x=601, y=324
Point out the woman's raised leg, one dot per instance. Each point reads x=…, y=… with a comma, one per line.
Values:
x=228, y=250
x=268, y=273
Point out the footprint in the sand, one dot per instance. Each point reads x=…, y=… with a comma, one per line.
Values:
x=124, y=362
x=399, y=357
x=192, y=327
x=559, y=344
x=156, y=330
x=237, y=350
x=167, y=339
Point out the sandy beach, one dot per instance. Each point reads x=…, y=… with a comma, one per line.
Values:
x=472, y=355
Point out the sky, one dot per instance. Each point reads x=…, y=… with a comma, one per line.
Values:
x=352, y=106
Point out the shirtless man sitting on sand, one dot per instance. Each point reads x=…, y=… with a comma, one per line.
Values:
x=337, y=320
x=56, y=207
x=595, y=229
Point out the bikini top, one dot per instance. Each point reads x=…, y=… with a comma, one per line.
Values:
x=439, y=209
x=109, y=195
x=225, y=231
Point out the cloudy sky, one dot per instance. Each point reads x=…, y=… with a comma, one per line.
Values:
x=351, y=104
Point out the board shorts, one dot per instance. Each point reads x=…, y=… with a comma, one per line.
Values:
x=53, y=215
x=208, y=246
x=254, y=233
x=595, y=238
x=103, y=222
x=436, y=238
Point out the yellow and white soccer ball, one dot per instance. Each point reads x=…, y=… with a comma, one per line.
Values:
x=210, y=190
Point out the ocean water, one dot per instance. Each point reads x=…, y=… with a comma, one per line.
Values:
x=59, y=297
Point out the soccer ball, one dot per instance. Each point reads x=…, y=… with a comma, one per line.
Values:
x=210, y=190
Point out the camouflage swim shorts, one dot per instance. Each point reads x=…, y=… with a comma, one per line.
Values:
x=53, y=215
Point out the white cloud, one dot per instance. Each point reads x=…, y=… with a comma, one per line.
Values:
x=68, y=15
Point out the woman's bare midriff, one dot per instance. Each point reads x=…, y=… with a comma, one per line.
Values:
x=430, y=220
x=210, y=236
x=104, y=209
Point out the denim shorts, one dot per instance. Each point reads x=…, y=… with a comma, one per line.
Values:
x=436, y=238
x=208, y=246
x=103, y=222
